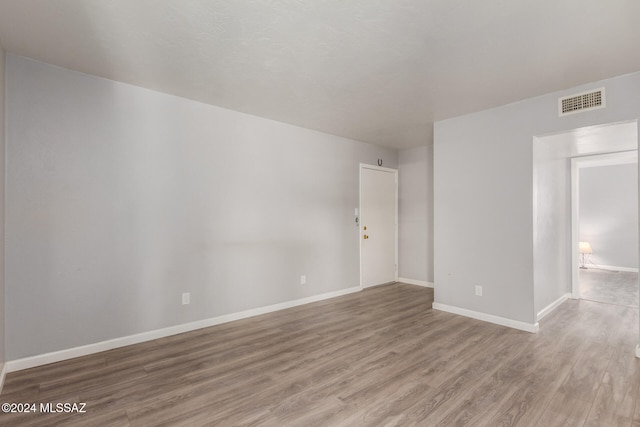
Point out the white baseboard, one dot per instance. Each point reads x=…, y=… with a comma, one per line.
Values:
x=57, y=356
x=503, y=321
x=415, y=282
x=612, y=268
x=548, y=309
x=3, y=374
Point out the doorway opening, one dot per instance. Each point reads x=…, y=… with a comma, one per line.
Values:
x=605, y=216
x=555, y=205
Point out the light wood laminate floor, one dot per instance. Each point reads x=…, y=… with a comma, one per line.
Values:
x=611, y=287
x=380, y=357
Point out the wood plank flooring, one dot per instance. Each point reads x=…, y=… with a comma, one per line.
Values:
x=612, y=287
x=380, y=357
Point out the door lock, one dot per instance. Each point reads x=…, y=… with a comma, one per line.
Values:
x=366, y=237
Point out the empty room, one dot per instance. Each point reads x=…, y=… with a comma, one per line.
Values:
x=332, y=213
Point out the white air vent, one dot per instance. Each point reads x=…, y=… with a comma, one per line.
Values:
x=581, y=102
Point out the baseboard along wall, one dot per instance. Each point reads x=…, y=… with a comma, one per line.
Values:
x=503, y=321
x=3, y=374
x=548, y=309
x=415, y=282
x=57, y=356
x=612, y=268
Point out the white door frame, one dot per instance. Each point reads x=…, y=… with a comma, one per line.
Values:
x=617, y=158
x=383, y=169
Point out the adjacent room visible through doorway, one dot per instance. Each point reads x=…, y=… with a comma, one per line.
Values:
x=608, y=223
x=559, y=160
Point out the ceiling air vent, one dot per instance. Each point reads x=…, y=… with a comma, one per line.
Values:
x=581, y=102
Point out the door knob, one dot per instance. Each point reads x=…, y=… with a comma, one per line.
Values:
x=366, y=237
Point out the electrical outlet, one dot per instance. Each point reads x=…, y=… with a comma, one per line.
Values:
x=303, y=279
x=186, y=298
x=478, y=290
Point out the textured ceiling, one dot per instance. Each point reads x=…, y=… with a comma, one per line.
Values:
x=379, y=71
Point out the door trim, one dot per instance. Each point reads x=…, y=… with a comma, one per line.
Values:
x=382, y=169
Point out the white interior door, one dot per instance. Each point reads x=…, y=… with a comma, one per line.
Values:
x=378, y=225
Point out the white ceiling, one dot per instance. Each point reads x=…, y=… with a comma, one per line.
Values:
x=379, y=71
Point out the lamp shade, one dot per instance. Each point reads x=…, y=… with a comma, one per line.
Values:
x=585, y=248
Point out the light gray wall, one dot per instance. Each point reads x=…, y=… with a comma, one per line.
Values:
x=119, y=199
x=2, y=175
x=551, y=225
x=609, y=214
x=415, y=212
x=483, y=197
